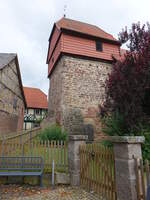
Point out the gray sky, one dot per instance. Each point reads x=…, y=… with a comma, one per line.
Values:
x=25, y=26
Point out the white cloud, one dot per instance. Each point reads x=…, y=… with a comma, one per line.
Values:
x=25, y=27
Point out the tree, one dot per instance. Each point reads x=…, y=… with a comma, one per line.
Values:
x=128, y=85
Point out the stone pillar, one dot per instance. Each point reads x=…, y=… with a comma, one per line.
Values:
x=125, y=149
x=74, y=157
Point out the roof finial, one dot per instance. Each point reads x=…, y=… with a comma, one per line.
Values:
x=65, y=7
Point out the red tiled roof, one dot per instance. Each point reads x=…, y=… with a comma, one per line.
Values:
x=35, y=98
x=84, y=28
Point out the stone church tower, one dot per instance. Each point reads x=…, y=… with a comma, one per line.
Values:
x=79, y=60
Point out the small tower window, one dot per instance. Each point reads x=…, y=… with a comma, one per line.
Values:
x=99, y=46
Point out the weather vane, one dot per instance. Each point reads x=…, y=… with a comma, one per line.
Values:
x=65, y=7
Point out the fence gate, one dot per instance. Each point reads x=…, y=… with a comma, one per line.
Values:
x=97, y=170
x=142, y=179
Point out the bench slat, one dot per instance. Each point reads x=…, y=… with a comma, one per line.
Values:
x=20, y=169
x=20, y=173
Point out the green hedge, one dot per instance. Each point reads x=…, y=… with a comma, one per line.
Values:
x=53, y=132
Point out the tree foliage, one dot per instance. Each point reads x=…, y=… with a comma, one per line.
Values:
x=128, y=85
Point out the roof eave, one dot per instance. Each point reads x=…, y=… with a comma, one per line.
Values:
x=80, y=56
x=32, y=107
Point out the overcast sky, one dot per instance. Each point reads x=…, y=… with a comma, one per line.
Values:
x=25, y=26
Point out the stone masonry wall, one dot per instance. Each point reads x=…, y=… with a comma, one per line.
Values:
x=11, y=100
x=77, y=87
x=55, y=94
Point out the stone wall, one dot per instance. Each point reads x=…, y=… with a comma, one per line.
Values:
x=55, y=94
x=11, y=100
x=77, y=87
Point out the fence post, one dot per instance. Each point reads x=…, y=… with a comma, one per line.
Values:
x=126, y=148
x=3, y=147
x=30, y=135
x=53, y=174
x=23, y=148
x=74, y=157
x=21, y=139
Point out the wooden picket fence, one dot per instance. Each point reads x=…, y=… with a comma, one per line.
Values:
x=97, y=170
x=142, y=178
x=21, y=136
x=49, y=150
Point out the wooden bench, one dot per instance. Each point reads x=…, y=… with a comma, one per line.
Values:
x=22, y=166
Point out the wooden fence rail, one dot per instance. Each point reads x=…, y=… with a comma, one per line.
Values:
x=21, y=136
x=97, y=170
x=49, y=150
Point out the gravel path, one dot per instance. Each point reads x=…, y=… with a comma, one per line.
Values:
x=11, y=192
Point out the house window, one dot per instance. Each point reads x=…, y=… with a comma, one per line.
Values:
x=99, y=46
x=26, y=111
x=38, y=112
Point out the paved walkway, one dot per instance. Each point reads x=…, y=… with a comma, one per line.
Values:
x=35, y=193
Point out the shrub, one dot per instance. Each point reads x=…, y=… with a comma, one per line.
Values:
x=107, y=143
x=126, y=110
x=113, y=124
x=146, y=146
x=53, y=132
x=129, y=82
